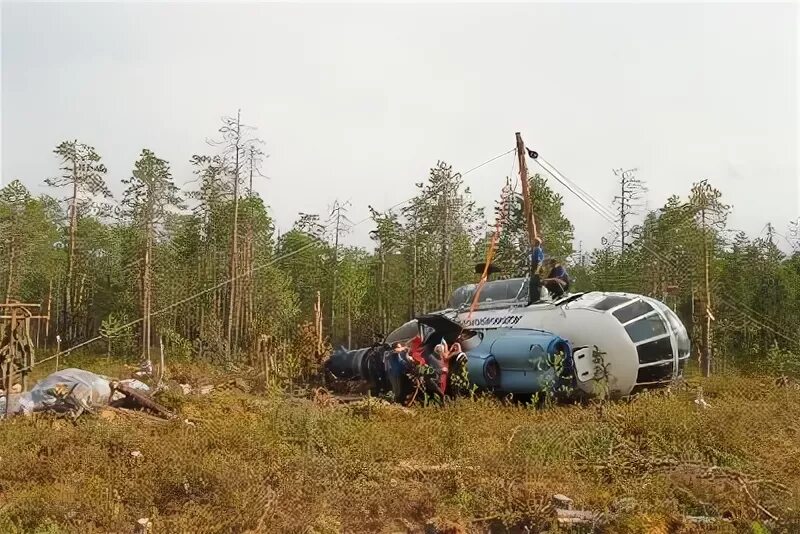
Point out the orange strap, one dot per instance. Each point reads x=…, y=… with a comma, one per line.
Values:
x=506, y=193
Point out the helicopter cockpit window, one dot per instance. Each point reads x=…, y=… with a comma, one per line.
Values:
x=677, y=327
x=646, y=328
x=610, y=302
x=461, y=296
x=497, y=290
x=522, y=289
x=631, y=311
x=403, y=333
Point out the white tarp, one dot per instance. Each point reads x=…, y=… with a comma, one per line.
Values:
x=65, y=390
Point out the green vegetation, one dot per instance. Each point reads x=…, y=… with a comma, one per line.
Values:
x=199, y=267
x=264, y=462
x=204, y=263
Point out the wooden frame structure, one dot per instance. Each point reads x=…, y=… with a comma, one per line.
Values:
x=17, y=349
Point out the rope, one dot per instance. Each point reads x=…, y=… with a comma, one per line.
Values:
x=505, y=195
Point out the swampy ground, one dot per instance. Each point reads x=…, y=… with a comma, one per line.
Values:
x=241, y=459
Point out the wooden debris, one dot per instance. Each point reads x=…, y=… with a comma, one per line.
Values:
x=138, y=399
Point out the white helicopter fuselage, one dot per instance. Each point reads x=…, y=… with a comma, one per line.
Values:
x=627, y=341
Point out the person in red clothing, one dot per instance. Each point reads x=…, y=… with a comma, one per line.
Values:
x=415, y=350
x=446, y=356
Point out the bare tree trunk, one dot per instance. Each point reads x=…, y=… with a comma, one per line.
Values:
x=414, y=279
x=234, y=247
x=237, y=306
x=73, y=227
x=250, y=283
x=706, y=368
x=233, y=281
x=10, y=269
x=146, y=294
x=349, y=325
x=78, y=300
x=49, y=314
x=381, y=289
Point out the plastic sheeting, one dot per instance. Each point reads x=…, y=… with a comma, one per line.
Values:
x=66, y=390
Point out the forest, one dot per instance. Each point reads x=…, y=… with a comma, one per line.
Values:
x=201, y=269
x=198, y=275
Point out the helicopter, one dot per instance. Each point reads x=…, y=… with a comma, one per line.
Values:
x=592, y=343
x=613, y=342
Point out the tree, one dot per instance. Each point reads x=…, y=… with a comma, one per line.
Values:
x=237, y=143
x=551, y=223
x=354, y=276
x=341, y=224
x=83, y=175
x=711, y=214
x=28, y=231
x=443, y=212
x=794, y=234
x=631, y=189
x=388, y=238
x=146, y=203
x=112, y=327
x=305, y=260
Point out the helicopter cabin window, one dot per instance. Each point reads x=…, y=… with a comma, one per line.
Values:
x=655, y=373
x=655, y=351
x=632, y=310
x=646, y=328
x=610, y=302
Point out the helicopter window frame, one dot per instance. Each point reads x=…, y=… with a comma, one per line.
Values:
x=654, y=338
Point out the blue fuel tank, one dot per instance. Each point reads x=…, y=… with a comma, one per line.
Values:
x=519, y=361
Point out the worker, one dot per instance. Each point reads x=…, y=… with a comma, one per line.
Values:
x=557, y=280
x=536, y=258
x=398, y=363
x=440, y=361
x=537, y=254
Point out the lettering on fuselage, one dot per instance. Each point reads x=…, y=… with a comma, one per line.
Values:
x=504, y=320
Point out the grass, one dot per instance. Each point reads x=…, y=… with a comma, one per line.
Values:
x=268, y=463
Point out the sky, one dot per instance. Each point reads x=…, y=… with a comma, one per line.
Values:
x=357, y=102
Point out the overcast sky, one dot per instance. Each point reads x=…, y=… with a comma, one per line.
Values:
x=357, y=102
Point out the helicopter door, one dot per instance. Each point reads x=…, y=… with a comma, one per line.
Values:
x=584, y=364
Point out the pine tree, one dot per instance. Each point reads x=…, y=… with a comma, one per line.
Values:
x=146, y=202
x=83, y=175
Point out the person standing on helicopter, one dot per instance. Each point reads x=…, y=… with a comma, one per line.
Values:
x=537, y=255
x=536, y=258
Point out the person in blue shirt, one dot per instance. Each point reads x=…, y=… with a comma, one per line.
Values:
x=536, y=259
x=557, y=281
x=537, y=255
